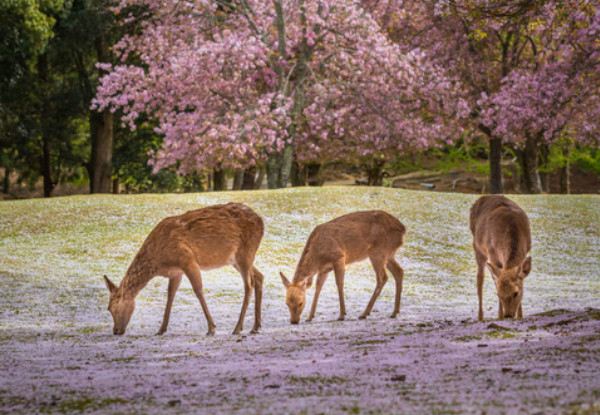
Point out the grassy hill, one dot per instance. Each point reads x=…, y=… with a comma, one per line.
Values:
x=59, y=355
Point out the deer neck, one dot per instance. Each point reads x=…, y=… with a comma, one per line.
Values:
x=305, y=269
x=139, y=273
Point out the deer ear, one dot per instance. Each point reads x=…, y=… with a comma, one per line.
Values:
x=526, y=267
x=495, y=271
x=285, y=281
x=109, y=284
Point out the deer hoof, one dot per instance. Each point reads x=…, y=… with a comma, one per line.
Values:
x=394, y=315
x=341, y=318
x=160, y=332
x=362, y=317
x=255, y=331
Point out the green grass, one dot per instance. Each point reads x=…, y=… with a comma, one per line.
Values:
x=72, y=241
x=54, y=318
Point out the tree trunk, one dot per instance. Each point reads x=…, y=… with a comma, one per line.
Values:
x=496, y=181
x=273, y=166
x=314, y=172
x=279, y=165
x=544, y=157
x=520, y=185
x=375, y=174
x=101, y=125
x=46, y=159
x=238, y=179
x=530, y=167
x=115, y=186
x=219, y=180
x=298, y=174
x=262, y=172
x=248, y=179
x=6, y=180
x=47, y=167
x=565, y=172
x=102, y=146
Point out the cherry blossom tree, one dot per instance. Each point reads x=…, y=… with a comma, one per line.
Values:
x=235, y=83
x=556, y=93
x=528, y=69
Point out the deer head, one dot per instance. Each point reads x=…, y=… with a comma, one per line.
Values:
x=295, y=297
x=120, y=306
x=509, y=285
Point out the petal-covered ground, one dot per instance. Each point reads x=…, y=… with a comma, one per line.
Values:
x=57, y=353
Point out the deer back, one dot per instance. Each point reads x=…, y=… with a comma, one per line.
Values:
x=501, y=231
x=353, y=236
x=211, y=236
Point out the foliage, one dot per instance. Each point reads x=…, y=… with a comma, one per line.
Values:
x=464, y=154
x=587, y=158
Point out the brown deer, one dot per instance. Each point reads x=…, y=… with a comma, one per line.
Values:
x=201, y=239
x=375, y=234
x=502, y=240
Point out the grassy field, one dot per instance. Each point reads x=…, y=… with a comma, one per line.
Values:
x=57, y=353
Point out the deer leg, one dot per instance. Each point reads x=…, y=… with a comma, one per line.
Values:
x=320, y=281
x=257, y=279
x=398, y=274
x=481, y=260
x=520, y=312
x=378, y=265
x=173, y=286
x=500, y=310
x=339, y=269
x=193, y=274
x=246, y=273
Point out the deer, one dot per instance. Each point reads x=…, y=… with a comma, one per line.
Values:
x=331, y=246
x=502, y=241
x=198, y=240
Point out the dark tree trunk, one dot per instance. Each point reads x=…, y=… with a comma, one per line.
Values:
x=248, y=179
x=530, y=167
x=375, y=174
x=101, y=125
x=6, y=180
x=543, y=161
x=238, y=179
x=102, y=145
x=565, y=179
x=46, y=158
x=262, y=172
x=298, y=174
x=49, y=184
x=219, y=180
x=115, y=186
x=496, y=181
x=314, y=172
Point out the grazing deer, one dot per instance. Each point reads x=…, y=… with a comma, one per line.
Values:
x=201, y=239
x=502, y=240
x=374, y=234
